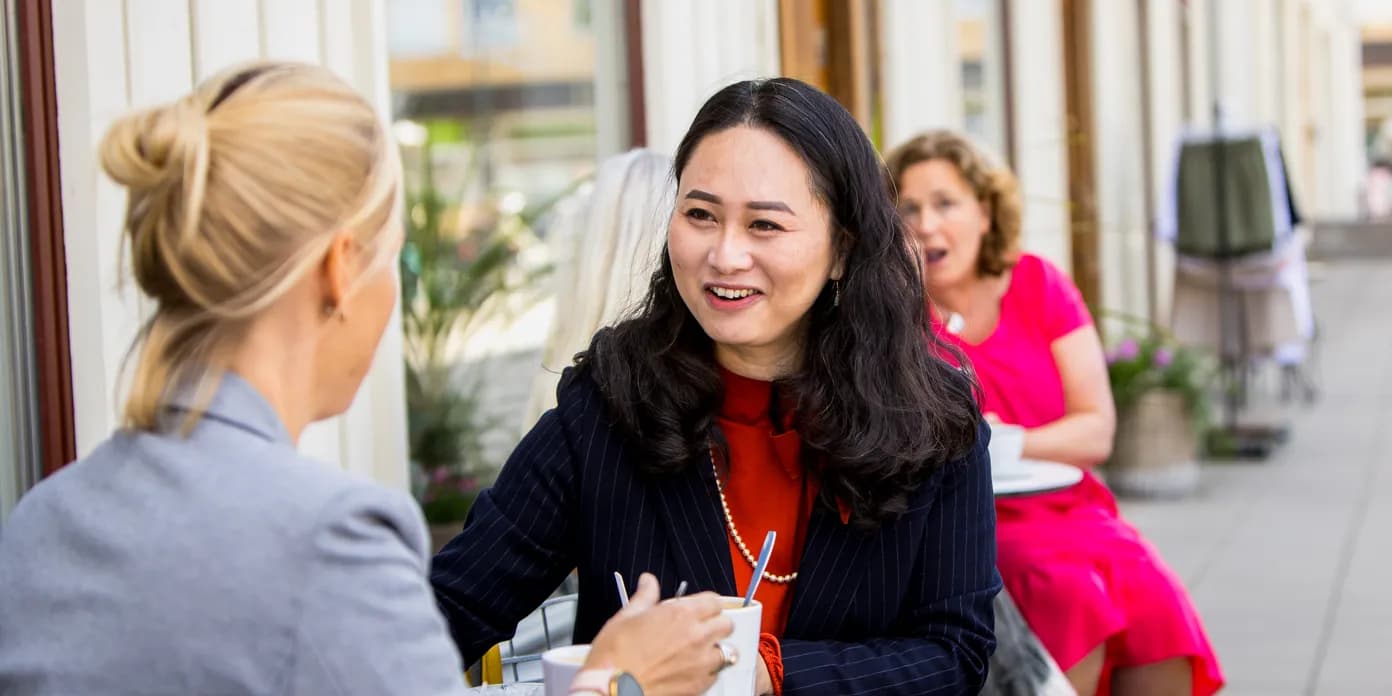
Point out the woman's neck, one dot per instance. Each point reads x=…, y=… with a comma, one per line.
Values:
x=277, y=370
x=958, y=298
x=971, y=310
x=968, y=297
x=762, y=363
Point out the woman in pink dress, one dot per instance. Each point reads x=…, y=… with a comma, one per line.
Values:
x=1112, y=614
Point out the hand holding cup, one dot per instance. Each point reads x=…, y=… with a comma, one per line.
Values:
x=669, y=647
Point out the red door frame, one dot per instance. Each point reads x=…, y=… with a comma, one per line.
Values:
x=57, y=440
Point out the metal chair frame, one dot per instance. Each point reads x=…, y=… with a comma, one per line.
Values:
x=499, y=660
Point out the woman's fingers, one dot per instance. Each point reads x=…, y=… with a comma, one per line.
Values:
x=646, y=596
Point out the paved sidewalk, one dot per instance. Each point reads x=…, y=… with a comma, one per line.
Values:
x=1290, y=559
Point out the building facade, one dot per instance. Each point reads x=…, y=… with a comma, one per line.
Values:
x=1084, y=98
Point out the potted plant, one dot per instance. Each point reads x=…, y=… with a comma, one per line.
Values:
x=1160, y=391
x=446, y=430
x=461, y=265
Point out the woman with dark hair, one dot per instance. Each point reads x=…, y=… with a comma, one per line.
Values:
x=778, y=376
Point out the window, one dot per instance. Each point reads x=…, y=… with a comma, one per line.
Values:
x=502, y=108
x=980, y=50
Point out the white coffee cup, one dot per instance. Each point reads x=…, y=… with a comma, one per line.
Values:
x=739, y=680
x=1007, y=443
x=559, y=667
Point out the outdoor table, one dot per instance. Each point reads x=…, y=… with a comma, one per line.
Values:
x=1021, y=666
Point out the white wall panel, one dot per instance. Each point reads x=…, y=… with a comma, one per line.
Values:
x=90, y=73
x=337, y=48
x=159, y=63
x=1041, y=150
x=290, y=30
x=920, y=69
x=1116, y=122
x=225, y=33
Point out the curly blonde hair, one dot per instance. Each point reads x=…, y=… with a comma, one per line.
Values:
x=994, y=184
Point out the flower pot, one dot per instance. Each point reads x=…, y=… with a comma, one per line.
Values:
x=1155, y=454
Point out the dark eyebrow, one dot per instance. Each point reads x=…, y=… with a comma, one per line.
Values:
x=770, y=205
x=700, y=195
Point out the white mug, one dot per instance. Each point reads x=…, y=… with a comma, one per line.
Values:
x=1007, y=444
x=739, y=679
x=559, y=667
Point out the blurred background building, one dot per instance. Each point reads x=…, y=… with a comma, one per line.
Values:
x=503, y=107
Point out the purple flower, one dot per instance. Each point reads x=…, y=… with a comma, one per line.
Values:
x=1128, y=349
x=1162, y=358
x=467, y=250
x=440, y=475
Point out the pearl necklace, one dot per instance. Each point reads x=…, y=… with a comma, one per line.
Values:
x=734, y=533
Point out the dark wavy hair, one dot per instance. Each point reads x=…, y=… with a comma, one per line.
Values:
x=876, y=410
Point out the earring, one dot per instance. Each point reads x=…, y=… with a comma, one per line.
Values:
x=331, y=310
x=836, y=297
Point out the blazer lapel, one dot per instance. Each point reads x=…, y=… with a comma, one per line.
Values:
x=831, y=571
x=696, y=530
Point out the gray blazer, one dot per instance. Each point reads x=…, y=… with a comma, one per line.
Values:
x=221, y=563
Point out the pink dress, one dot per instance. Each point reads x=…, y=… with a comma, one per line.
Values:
x=1080, y=574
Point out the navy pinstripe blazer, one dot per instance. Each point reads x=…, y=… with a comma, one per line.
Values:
x=907, y=609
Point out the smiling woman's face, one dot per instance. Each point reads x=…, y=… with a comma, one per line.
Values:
x=946, y=218
x=751, y=247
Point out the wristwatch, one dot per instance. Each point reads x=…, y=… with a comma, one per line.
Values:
x=605, y=682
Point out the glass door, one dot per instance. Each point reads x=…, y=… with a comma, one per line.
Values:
x=502, y=110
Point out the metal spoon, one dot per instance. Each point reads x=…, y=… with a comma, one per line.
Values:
x=764, y=554
x=623, y=589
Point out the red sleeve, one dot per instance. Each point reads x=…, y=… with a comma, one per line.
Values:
x=1057, y=300
x=772, y=653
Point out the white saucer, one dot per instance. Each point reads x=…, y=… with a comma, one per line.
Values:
x=1037, y=477
x=1014, y=473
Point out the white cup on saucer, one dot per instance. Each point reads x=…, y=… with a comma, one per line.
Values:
x=1007, y=444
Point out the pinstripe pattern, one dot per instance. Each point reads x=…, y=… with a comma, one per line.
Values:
x=905, y=610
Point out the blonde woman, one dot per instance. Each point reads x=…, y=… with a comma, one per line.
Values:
x=195, y=551
x=608, y=240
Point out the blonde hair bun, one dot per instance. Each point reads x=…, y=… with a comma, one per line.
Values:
x=152, y=148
